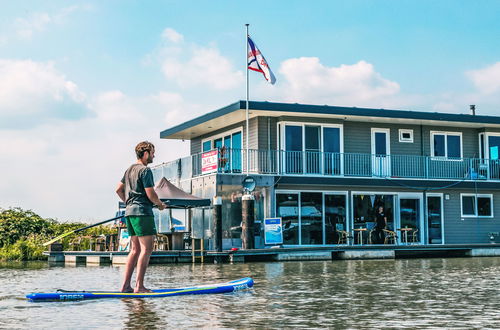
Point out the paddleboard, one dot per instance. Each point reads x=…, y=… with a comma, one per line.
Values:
x=63, y=295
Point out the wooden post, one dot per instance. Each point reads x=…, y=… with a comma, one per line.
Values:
x=247, y=224
x=217, y=223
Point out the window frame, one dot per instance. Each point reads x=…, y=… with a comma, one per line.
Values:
x=212, y=138
x=401, y=131
x=476, y=196
x=446, y=133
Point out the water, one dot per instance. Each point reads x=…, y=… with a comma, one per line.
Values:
x=413, y=293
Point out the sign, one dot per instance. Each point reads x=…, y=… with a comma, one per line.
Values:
x=209, y=162
x=273, y=231
x=124, y=240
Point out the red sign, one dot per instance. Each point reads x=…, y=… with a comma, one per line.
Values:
x=209, y=162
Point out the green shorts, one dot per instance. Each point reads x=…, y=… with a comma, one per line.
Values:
x=141, y=225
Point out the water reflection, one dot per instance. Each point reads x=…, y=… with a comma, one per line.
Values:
x=413, y=293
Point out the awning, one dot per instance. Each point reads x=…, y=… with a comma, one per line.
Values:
x=177, y=198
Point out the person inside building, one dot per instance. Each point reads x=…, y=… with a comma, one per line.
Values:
x=380, y=224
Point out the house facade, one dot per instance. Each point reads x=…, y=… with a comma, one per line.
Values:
x=327, y=171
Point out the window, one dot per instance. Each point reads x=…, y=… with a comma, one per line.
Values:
x=446, y=144
x=230, y=140
x=477, y=205
x=406, y=135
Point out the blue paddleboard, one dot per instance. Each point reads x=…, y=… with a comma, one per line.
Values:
x=61, y=295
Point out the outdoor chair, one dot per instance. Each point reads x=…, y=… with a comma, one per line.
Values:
x=414, y=236
x=344, y=237
x=161, y=243
x=390, y=236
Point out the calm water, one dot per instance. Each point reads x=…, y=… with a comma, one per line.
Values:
x=417, y=293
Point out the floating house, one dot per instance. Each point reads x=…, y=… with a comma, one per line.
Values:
x=326, y=171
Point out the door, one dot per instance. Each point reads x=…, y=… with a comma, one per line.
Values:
x=410, y=219
x=313, y=149
x=293, y=149
x=381, y=164
x=435, y=230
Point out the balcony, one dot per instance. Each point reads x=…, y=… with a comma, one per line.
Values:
x=279, y=162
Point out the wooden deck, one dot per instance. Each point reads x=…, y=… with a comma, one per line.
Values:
x=337, y=252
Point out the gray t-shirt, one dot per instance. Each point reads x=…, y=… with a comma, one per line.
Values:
x=136, y=178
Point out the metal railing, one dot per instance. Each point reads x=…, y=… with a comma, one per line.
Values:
x=279, y=162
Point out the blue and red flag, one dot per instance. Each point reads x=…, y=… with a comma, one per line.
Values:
x=257, y=62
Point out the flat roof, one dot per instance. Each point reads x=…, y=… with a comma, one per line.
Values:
x=235, y=113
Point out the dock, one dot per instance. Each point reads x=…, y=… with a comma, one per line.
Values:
x=338, y=252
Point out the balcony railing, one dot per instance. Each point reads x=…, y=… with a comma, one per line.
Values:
x=280, y=162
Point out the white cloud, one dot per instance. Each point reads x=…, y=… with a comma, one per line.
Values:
x=170, y=34
x=33, y=92
x=26, y=27
x=307, y=80
x=189, y=65
x=486, y=80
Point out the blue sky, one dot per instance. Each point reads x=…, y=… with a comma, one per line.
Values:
x=81, y=82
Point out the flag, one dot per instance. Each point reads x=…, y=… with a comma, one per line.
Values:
x=257, y=62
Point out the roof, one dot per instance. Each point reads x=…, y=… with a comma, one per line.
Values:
x=177, y=198
x=235, y=113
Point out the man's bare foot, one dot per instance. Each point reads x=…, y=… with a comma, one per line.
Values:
x=127, y=290
x=142, y=290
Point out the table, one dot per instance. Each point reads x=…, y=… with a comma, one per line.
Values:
x=360, y=234
x=404, y=233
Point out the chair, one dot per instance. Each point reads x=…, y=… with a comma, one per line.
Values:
x=370, y=240
x=390, y=236
x=161, y=243
x=414, y=236
x=344, y=237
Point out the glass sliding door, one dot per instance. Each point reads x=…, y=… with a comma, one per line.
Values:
x=331, y=148
x=435, y=219
x=293, y=149
x=311, y=218
x=335, y=217
x=494, y=156
x=287, y=208
x=236, y=152
x=410, y=229
x=313, y=149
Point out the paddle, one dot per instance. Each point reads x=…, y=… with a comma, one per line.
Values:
x=80, y=229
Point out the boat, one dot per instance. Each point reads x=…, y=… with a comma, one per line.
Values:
x=64, y=295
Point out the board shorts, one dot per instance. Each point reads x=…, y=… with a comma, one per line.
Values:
x=141, y=225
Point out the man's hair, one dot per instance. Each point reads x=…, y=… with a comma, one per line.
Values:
x=142, y=147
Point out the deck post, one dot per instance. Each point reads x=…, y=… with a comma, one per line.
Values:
x=247, y=224
x=217, y=223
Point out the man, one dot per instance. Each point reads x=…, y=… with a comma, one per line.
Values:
x=136, y=189
x=380, y=225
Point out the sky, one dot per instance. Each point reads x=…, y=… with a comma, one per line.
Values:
x=82, y=82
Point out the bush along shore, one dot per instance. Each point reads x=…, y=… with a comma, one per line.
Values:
x=23, y=232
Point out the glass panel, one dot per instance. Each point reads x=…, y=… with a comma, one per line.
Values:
x=312, y=143
x=481, y=146
x=293, y=148
x=484, y=206
x=365, y=209
x=207, y=145
x=236, y=152
x=409, y=209
x=335, y=218
x=311, y=219
x=468, y=205
x=453, y=142
x=494, y=145
x=287, y=207
x=380, y=143
x=218, y=143
x=434, y=219
x=178, y=221
x=331, y=148
x=439, y=145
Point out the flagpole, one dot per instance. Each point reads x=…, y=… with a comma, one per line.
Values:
x=246, y=109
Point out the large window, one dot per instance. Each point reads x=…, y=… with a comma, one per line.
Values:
x=446, y=144
x=311, y=148
x=474, y=205
x=229, y=161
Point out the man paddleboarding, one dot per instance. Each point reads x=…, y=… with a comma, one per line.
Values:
x=136, y=189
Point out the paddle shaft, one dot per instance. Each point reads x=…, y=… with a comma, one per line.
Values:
x=80, y=229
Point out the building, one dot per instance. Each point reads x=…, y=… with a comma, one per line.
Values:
x=326, y=170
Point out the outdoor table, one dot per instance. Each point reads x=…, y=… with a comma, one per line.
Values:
x=404, y=232
x=360, y=234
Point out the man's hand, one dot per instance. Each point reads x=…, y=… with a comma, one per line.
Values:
x=162, y=206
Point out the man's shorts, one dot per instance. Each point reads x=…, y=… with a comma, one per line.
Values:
x=143, y=225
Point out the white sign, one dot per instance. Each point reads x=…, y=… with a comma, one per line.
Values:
x=273, y=231
x=209, y=162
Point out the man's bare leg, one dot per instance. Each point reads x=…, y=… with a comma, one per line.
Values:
x=133, y=256
x=146, y=243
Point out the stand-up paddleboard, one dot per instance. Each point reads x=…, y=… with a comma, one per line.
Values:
x=62, y=295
